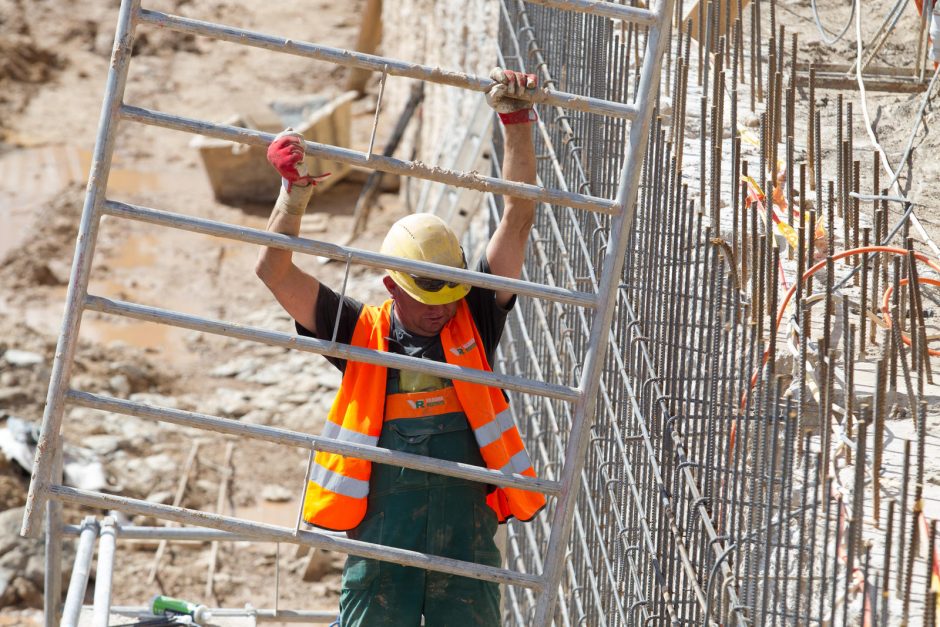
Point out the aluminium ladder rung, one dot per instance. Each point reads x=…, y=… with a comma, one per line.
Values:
x=274, y=533
x=343, y=253
x=637, y=15
x=309, y=442
x=329, y=348
x=360, y=60
x=390, y=165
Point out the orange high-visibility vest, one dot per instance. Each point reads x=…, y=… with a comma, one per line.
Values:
x=338, y=486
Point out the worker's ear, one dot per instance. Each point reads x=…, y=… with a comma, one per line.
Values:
x=390, y=285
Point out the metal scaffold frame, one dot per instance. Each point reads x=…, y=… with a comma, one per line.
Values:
x=596, y=308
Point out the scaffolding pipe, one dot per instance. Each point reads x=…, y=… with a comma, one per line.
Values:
x=258, y=614
x=272, y=533
x=81, y=569
x=360, y=60
x=389, y=165
x=343, y=253
x=104, y=575
x=313, y=442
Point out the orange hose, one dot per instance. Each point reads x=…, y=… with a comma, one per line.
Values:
x=864, y=250
x=884, y=309
x=934, y=559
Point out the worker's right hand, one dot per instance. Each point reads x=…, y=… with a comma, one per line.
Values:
x=504, y=96
x=286, y=154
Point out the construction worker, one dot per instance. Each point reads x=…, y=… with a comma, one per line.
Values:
x=412, y=412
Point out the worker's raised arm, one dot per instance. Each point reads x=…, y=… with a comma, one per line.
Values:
x=506, y=249
x=293, y=288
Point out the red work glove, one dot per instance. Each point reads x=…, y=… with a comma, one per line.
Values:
x=504, y=96
x=286, y=154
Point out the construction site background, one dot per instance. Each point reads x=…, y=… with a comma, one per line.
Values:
x=51, y=78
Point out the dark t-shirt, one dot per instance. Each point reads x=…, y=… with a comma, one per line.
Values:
x=488, y=316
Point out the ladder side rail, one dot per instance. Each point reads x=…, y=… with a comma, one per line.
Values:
x=360, y=60
x=314, y=443
x=344, y=253
x=264, y=532
x=49, y=436
x=657, y=40
x=389, y=165
x=623, y=12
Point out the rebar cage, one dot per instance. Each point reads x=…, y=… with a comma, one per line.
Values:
x=704, y=499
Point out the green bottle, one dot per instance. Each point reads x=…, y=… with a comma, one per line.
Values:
x=161, y=605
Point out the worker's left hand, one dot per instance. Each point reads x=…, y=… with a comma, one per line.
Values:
x=504, y=95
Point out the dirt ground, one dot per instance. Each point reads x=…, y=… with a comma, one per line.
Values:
x=52, y=72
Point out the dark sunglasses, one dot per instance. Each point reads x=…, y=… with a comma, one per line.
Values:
x=436, y=285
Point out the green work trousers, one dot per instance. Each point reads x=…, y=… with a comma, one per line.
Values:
x=414, y=510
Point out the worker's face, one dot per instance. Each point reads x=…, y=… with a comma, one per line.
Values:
x=427, y=320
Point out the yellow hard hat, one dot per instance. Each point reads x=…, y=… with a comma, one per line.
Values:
x=425, y=237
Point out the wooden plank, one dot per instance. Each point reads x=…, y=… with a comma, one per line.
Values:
x=370, y=34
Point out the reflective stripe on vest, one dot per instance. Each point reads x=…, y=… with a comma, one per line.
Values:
x=488, y=412
x=494, y=430
x=335, y=497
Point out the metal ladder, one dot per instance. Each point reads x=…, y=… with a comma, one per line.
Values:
x=47, y=492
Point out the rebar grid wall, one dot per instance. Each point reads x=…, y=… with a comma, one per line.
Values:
x=705, y=494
